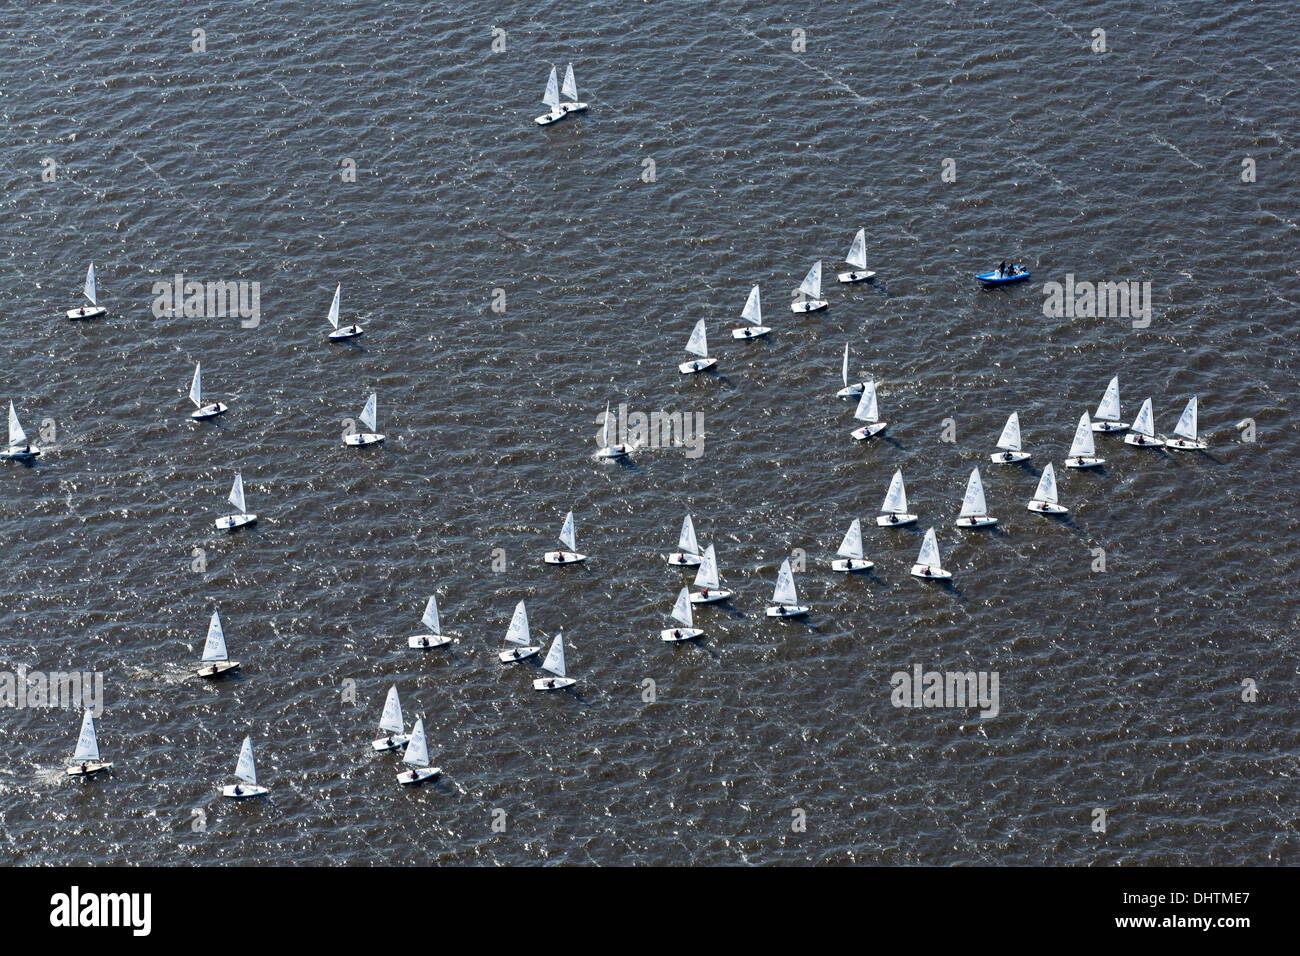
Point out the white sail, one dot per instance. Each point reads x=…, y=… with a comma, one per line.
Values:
x=1083, y=446
x=246, y=770
x=570, y=88
x=868, y=410
x=698, y=344
x=566, y=533
x=87, y=742
x=1010, y=439
x=552, y=95
x=214, y=649
x=682, y=609
x=605, y=435
x=707, y=575
x=17, y=437
x=784, y=592
x=196, y=386
x=753, y=312
x=929, y=556
x=89, y=289
x=430, y=619
x=417, y=751
x=851, y=546
x=973, y=505
x=334, y=306
x=896, y=498
x=517, y=633
x=857, y=256
x=1108, y=409
x=1047, y=486
x=1186, y=427
x=1144, y=424
x=686, y=542
x=812, y=282
x=237, y=494
x=555, y=657
x=391, y=721
x=370, y=414
x=844, y=368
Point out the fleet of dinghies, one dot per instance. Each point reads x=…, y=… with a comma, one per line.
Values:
x=517, y=644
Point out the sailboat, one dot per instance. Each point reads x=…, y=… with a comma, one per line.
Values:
x=1186, y=431
x=685, y=615
x=848, y=391
x=785, y=602
x=19, y=448
x=1083, y=450
x=555, y=664
x=697, y=344
x=88, y=290
x=518, y=635
x=346, y=331
x=857, y=258
x=928, y=564
x=246, y=771
x=706, y=578
x=417, y=757
x=391, y=721
x=569, y=89
x=570, y=556
x=85, y=759
x=810, y=291
x=233, y=522
x=608, y=448
x=1143, y=431
x=1010, y=443
x=1106, y=418
x=850, y=553
x=202, y=410
x=552, y=99
x=1045, y=500
x=894, y=509
x=214, y=651
x=687, y=554
x=435, y=637
x=753, y=314
x=868, y=411
x=369, y=419
x=974, y=510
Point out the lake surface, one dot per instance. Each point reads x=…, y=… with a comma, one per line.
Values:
x=1120, y=689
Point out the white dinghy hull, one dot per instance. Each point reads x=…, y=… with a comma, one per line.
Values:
x=895, y=520
x=234, y=522
x=242, y=791
x=850, y=277
x=394, y=742
x=786, y=610
x=1084, y=461
x=427, y=641
x=554, y=683
x=675, y=634
x=713, y=597
x=418, y=775
x=930, y=573
x=563, y=557
x=92, y=767
x=848, y=565
x=517, y=654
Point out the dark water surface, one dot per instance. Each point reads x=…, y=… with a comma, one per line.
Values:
x=1119, y=689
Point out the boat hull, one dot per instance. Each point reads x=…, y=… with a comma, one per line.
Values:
x=868, y=431
x=395, y=742
x=234, y=522
x=848, y=565
x=518, y=654
x=697, y=365
x=895, y=520
x=786, y=610
x=752, y=332
x=417, y=775
x=563, y=557
x=976, y=521
x=426, y=642
x=934, y=574
x=850, y=277
x=675, y=634
x=553, y=683
x=1083, y=461
x=713, y=597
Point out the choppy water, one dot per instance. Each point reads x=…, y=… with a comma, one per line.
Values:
x=1119, y=690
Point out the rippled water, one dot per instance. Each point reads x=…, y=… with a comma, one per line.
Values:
x=1119, y=690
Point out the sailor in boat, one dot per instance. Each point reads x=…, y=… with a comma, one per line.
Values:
x=424, y=641
x=83, y=766
x=704, y=592
x=677, y=634
x=893, y=518
x=237, y=791
x=926, y=571
x=1002, y=269
x=414, y=774
x=550, y=682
